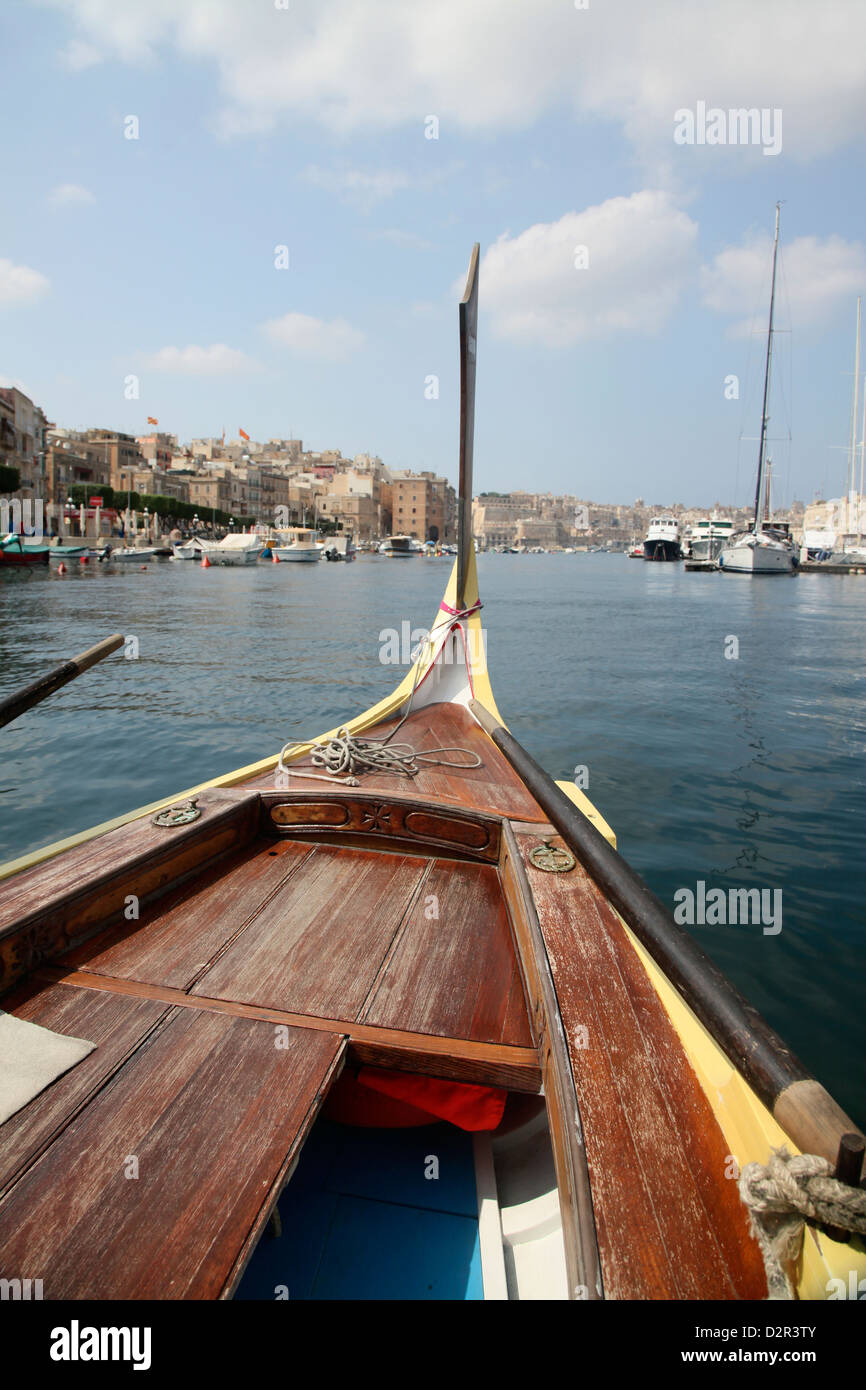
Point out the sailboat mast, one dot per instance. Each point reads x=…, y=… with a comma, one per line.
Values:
x=852, y=452
x=760, y=487
x=862, y=450
x=468, y=333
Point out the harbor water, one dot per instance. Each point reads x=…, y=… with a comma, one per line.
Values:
x=728, y=763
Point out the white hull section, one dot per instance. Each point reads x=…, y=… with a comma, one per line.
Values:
x=232, y=557
x=305, y=555
x=757, y=555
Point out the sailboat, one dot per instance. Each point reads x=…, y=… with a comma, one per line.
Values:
x=852, y=550
x=387, y=1015
x=764, y=549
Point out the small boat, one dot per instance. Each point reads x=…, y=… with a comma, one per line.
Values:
x=767, y=548
x=387, y=1015
x=398, y=547
x=636, y=549
x=192, y=549
x=304, y=545
x=15, y=551
x=64, y=554
x=662, y=540
x=131, y=554
x=237, y=548
x=340, y=548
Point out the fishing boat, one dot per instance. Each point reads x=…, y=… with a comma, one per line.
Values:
x=387, y=1015
x=765, y=548
x=304, y=545
x=15, y=551
x=662, y=541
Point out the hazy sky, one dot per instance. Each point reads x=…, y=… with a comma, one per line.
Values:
x=262, y=125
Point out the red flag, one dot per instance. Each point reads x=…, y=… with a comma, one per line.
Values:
x=151, y=420
x=244, y=435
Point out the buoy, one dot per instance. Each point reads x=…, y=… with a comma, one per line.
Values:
x=275, y=557
x=144, y=569
x=205, y=562
x=61, y=568
x=82, y=559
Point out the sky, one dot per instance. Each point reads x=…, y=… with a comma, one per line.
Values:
x=258, y=214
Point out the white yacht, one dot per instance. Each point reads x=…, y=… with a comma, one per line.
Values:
x=304, y=545
x=662, y=541
x=398, y=547
x=707, y=537
x=765, y=548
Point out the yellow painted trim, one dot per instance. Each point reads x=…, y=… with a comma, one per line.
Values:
x=747, y=1125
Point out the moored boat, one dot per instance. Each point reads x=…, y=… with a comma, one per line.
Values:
x=662, y=540
x=237, y=548
x=16, y=552
x=303, y=545
x=766, y=548
x=395, y=953
x=398, y=547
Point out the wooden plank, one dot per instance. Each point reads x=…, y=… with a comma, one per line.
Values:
x=213, y=1114
x=117, y=1025
x=51, y=907
x=670, y=1225
x=316, y=947
x=179, y=937
x=457, y=1059
x=454, y=970
x=566, y=1129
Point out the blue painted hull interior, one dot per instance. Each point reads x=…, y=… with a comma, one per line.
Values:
x=374, y=1214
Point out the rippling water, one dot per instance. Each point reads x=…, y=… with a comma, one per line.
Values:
x=741, y=773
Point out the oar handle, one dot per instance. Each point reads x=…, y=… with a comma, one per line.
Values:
x=798, y=1103
x=61, y=675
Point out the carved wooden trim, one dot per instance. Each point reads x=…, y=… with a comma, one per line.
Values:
x=382, y=822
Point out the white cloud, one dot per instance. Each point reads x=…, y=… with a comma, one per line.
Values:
x=216, y=360
x=358, y=185
x=312, y=337
x=640, y=253
x=816, y=275
x=19, y=284
x=501, y=64
x=66, y=194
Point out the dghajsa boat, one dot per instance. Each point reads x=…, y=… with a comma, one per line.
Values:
x=387, y=1015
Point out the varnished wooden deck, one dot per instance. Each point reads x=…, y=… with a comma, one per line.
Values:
x=320, y=922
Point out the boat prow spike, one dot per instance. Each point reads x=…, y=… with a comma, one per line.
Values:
x=468, y=340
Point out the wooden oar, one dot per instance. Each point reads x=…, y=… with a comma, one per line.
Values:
x=799, y=1103
x=13, y=705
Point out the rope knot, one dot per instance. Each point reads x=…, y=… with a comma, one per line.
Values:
x=782, y=1195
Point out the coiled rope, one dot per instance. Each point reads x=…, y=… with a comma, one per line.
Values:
x=344, y=758
x=782, y=1195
